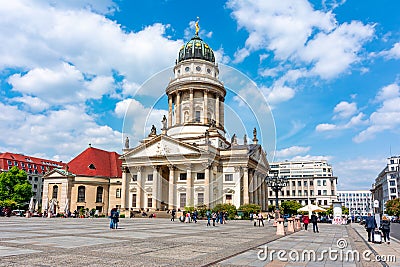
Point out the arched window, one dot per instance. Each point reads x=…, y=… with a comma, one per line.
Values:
x=99, y=194
x=81, y=194
x=55, y=191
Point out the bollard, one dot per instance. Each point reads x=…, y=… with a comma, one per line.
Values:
x=290, y=227
x=297, y=224
x=280, y=228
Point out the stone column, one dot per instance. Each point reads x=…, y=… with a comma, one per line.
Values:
x=169, y=110
x=245, y=185
x=251, y=186
x=263, y=195
x=191, y=106
x=124, y=189
x=171, y=188
x=217, y=110
x=205, y=109
x=178, y=108
x=189, y=187
x=256, y=189
x=139, y=196
x=207, y=186
x=221, y=113
x=155, y=197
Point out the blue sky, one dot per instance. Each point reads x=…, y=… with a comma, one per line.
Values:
x=328, y=69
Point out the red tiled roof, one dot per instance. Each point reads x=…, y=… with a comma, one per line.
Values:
x=28, y=159
x=106, y=164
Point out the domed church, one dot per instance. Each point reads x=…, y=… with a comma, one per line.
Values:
x=190, y=162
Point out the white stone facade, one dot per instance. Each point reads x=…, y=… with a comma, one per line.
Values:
x=359, y=202
x=308, y=182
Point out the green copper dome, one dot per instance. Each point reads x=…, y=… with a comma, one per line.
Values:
x=196, y=48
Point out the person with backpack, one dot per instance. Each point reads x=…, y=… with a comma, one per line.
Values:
x=208, y=215
x=173, y=212
x=385, y=228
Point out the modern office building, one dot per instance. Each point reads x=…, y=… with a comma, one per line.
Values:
x=359, y=202
x=387, y=184
x=33, y=166
x=308, y=182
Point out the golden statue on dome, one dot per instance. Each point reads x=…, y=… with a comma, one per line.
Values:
x=197, y=26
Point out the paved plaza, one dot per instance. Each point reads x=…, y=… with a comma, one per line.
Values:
x=160, y=242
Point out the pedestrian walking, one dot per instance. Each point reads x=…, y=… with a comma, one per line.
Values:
x=314, y=220
x=114, y=218
x=173, y=212
x=260, y=219
x=385, y=228
x=306, y=221
x=221, y=217
x=214, y=218
x=370, y=225
x=208, y=214
x=195, y=214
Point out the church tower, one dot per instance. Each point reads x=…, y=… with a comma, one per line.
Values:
x=195, y=94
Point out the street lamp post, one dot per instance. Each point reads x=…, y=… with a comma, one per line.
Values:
x=276, y=183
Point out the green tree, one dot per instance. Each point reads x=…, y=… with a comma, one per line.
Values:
x=229, y=208
x=393, y=207
x=15, y=188
x=249, y=208
x=290, y=207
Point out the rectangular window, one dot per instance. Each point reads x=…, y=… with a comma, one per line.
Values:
x=182, y=176
x=35, y=186
x=200, y=198
x=311, y=183
x=293, y=183
x=200, y=176
x=299, y=193
x=305, y=193
x=118, y=193
x=228, y=177
x=150, y=177
x=324, y=192
x=392, y=190
x=392, y=183
x=197, y=116
x=298, y=183
x=29, y=165
x=305, y=183
x=15, y=163
x=9, y=162
x=149, y=202
x=287, y=192
x=332, y=192
x=270, y=193
x=228, y=197
x=36, y=179
x=134, y=200
x=318, y=182
x=324, y=182
x=22, y=164
x=42, y=167
x=319, y=192
x=325, y=202
x=134, y=178
x=293, y=192
x=99, y=194
x=182, y=200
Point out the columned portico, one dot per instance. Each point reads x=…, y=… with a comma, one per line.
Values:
x=139, y=187
x=155, y=188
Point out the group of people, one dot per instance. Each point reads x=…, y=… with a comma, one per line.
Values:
x=258, y=217
x=114, y=218
x=314, y=220
x=371, y=226
x=218, y=216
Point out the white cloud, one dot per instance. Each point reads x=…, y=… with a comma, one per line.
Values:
x=138, y=119
x=358, y=173
x=33, y=104
x=278, y=94
x=63, y=132
x=294, y=31
x=393, y=53
x=291, y=151
x=325, y=127
x=386, y=117
x=345, y=110
x=310, y=157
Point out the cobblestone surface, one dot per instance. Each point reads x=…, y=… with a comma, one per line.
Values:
x=137, y=242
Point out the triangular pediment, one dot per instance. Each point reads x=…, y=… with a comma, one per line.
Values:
x=161, y=146
x=259, y=156
x=58, y=173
